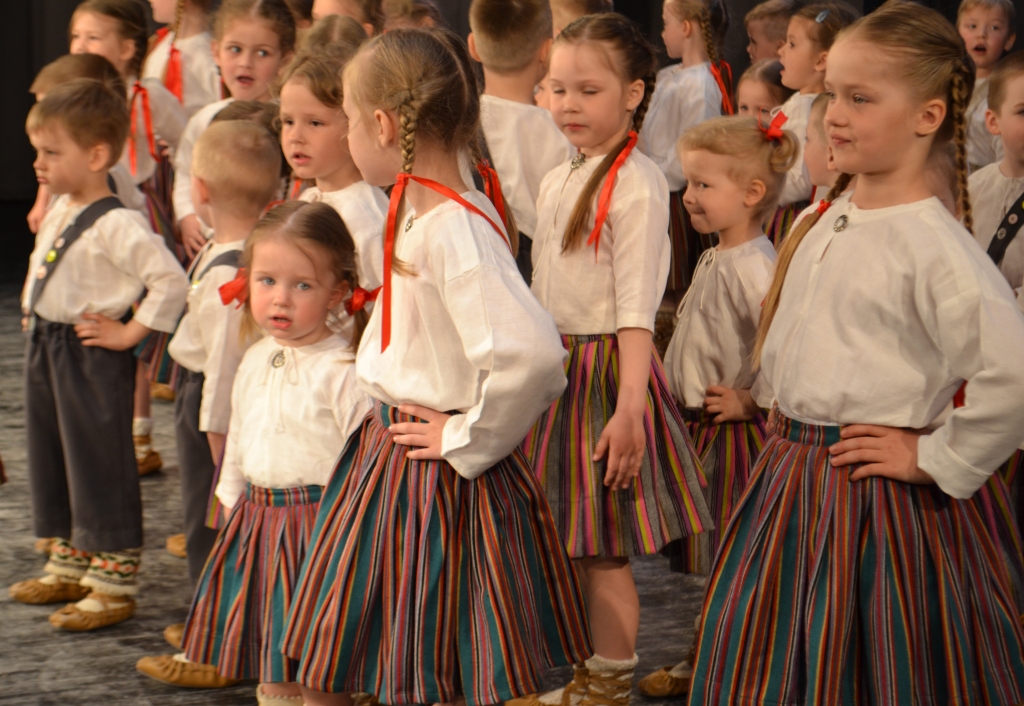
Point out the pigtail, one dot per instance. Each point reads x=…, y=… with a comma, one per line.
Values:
x=709, y=41
x=961, y=97
x=408, y=117
x=650, y=78
x=179, y=13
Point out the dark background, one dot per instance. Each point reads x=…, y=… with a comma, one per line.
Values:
x=34, y=32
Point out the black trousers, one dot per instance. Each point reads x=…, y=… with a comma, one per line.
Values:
x=78, y=427
x=197, y=471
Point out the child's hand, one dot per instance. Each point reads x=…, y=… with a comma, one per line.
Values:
x=426, y=436
x=887, y=452
x=35, y=216
x=625, y=442
x=24, y=324
x=99, y=330
x=727, y=405
x=192, y=234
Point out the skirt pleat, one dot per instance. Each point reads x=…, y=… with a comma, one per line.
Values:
x=827, y=591
x=422, y=586
x=782, y=221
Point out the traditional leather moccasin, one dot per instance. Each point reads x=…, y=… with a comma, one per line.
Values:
x=173, y=634
x=176, y=546
x=177, y=672
x=72, y=619
x=530, y=700
x=271, y=700
x=35, y=592
x=162, y=392
x=150, y=463
x=662, y=684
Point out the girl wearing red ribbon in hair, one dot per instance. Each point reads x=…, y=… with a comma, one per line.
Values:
x=435, y=572
x=612, y=453
x=735, y=170
x=180, y=54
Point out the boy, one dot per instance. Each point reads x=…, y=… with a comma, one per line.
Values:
x=766, y=26
x=512, y=39
x=80, y=371
x=987, y=28
x=564, y=12
x=236, y=173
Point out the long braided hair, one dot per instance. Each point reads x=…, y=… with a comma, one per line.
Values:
x=712, y=17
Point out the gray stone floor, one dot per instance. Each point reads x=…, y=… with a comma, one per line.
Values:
x=40, y=666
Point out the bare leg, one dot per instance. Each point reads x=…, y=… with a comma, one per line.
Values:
x=320, y=698
x=143, y=405
x=612, y=605
x=281, y=689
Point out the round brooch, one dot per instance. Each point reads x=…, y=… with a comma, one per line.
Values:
x=278, y=360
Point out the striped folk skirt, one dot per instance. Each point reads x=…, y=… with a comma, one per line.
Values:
x=665, y=502
x=687, y=244
x=242, y=600
x=421, y=586
x=783, y=220
x=840, y=593
x=727, y=453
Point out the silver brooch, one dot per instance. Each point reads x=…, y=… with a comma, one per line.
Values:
x=577, y=162
x=840, y=223
x=408, y=223
x=278, y=360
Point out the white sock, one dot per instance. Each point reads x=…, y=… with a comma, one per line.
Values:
x=142, y=426
x=621, y=670
x=52, y=579
x=91, y=605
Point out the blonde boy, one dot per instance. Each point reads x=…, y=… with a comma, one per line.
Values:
x=766, y=26
x=564, y=12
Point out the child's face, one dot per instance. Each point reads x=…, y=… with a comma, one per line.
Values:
x=249, y=56
x=1008, y=120
x=288, y=296
x=754, y=99
x=713, y=199
x=986, y=34
x=673, y=34
x=589, y=101
x=61, y=165
x=759, y=46
x=164, y=10
x=347, y=8
x=372, y=142
x=816, y=155
x=312, y=135
x=802, y=61
x=92, y=33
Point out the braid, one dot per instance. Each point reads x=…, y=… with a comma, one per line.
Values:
x=961, y=96
x=179, y=12
x=705, y=28
x=407, y=119
x=641, y=110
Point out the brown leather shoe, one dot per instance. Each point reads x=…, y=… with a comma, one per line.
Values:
x=661, y=684
x=43, y=546
x=176, y=545
x=35, y=592
x=150, y=463
x=160, y=391
x=72, y=619
x=190, y=675
x=173, y=635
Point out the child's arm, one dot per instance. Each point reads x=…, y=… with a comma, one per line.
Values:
x=623, y=439
x=99, y=330
x=191, y=230
x=231, y=483
x=219, y=327
x=35, y=216
x=728, y=405
x=216, y=442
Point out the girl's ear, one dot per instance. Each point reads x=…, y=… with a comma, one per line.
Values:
x=128, y=49
x=687, y=27
x=385, y=128
x=931, y=117
x=819, y=63
x=341, y=292
x=634, y=94
x=754, y=194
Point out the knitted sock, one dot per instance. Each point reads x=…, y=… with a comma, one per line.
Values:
x=114, y=573
x=142, y=426
x=142, y=430
x=66, y=562
x=611, y=680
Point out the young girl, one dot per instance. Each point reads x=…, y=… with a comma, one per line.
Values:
x=253, y=41
x=858, y=568
x=735, y=170
x=369, y=13
x=180, y=56
x=435, y=572
x=811, y=32
x=612, y=453
x=760, y=90
x=687, y=93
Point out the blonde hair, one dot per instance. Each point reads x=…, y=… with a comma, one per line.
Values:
x=262, y=113
x=934, y=64
x=130, y=16
x=1007, y=6
x=1008, y=68
x=508, y=33
x=754, y=156
x=72, y=66
x=411, y=13
x=827, y=20
x=816, y=118
x=713, y=18
x=274, y=12
x=335, y=37
x=373, y=14
x=769, y=73
x=774, y=15
x=240, y=163
x=90, y=111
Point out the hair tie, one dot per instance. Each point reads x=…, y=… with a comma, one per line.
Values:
x=823, y=206
x=236, y=290
x=773, y=133
x=358, y=300
x=822, y=15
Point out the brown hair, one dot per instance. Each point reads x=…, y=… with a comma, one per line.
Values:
x=72, y=66
x=373, y=14
x=91, y=112
x=302, y=10
x=774, y=15
x=827, y=20
x=934, y=64
x=334, y=37
x=1009, y=67
x=769, y=73
x=130, y=17
x=633, y=58
x=508, y=33
x=754, y=156
x=318, y=231
x=275, y=12
x=411, y=13
x=1006, y=6
x=425, y=77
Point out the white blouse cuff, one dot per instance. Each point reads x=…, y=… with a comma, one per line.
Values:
x=954, y=476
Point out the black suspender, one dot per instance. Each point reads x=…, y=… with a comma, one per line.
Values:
x=1007, y=231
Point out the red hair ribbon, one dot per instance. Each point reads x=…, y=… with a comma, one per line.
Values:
x=172, y=72
x=401, y=181
x=774, y=130
x=604, y=202
x=296, y=190
x=139, y=91
x=716, y=72
x=823, y=206
x=236, y=290
x=492, y=186
x=359, y=299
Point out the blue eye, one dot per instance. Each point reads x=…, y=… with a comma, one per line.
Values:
x=267, y=281
x=264, y=53
x=303, y=287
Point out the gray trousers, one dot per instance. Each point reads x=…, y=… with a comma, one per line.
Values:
x=78, y=428
x=197, y=471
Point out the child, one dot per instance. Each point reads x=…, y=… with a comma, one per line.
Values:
x=760, y=90
x=767, y=25
x=863, y=531
x=302, y=10
x=565, y=12
x=253, y=41
x=181, y=56
x=688, y=93
x=820, y=168
x=411, y=14
x=987, y=29
x=512, y=40
x=613, y=454
x=369, y=13
x=418, y=487
x=79, y=369
x=735, y=169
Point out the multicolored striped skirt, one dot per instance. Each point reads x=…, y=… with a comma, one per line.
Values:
x=840, y=593
x=665, y=502
x=782, y=222
x=687, y=244
x=242, y=600
x=727, y=453
x=421, y=586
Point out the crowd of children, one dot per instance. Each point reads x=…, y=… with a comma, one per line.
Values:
x=408, y=321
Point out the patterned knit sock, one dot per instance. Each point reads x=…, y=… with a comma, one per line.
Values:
x=142, y=430
x=611, y=680
x=66, y=563
x=114, y=573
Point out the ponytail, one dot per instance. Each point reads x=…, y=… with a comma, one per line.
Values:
x=960, y=97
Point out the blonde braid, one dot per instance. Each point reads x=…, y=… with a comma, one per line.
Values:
x=407, y=120
x=961, y=97
x=650, y=78
x=179, y=12
x=709, y=40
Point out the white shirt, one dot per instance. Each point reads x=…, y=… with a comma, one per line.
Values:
x=290, y=423
x=713, y=342
x=168, y=124
x=525, y=144
x=798, y=181
x=983, y=148
x=207, y=340
x=992, y=195
x=183, y=157
x=106, y=270
x=364, y=209
x=683, y=97
x=200, y=79
x=623, y=286
x=466, y=335
x=881, y=322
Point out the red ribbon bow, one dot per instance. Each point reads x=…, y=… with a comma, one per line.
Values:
x=235, y=290
x=604, y=202
x=172, y=72
x=774, y=130
x=359, y=299
x=823, y=206
x=139, y=91
x=492, y=186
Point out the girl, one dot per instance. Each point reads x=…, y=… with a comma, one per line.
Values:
x=369, y=13
x=613, y=454
x=687, y=93
x=760, y=90
x=863, y=530
x=435, y=572
x=181, y=57
x=734, y=170
x=252, y=41
x=294, y=403
x=811, y=33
